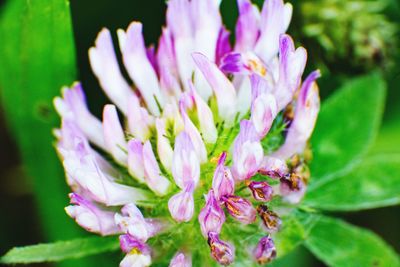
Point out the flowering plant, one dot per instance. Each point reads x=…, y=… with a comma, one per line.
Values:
x=210, y=159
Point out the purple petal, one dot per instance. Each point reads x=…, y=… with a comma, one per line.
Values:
x=114, y=137
x=247, y=27
x=181, y=260
x=223, y=183
x=157, y=183
x=222, y=87
x=132, y=222
x=240, y=208
x=222, y=252
x=304, y=120
x=223, y=45
x=262, y=191
x=275, y=17
x=72, y=106
x=265, y=251
x=129, y=243
x=139, y=67
x=105, y=66
x=271, y=220
x=211, y=217
x=263, y=112
x=91, y=217
x=181, y=205
x=185, y=163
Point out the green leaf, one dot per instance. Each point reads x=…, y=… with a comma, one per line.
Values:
x=37, y=57
x=295, y=229
x=61, y=250
x=337, y=243
x=347, y=126
x=374, y=183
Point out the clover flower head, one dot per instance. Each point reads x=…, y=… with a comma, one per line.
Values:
x=187, y=152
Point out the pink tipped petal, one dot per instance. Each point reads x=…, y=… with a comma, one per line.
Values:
x=194, y=134
x=91, y=217
x=181, y=260
x=72, y=106
x=140, y=121
x=164, y=148
x=206, y=30
x=185, y=163
x=211, y=217
x=260, y=85
x=247, y=27
x=139, y=67
x=222, y=87
x=105, y=66
x=304, y=120
x=247, y=152
x=114, y=135
x=206, y=33
x=206, y=120
x=240, y=208
x=169, y=80
x=274, y=22
x=292, y=63
x=264, y=111
x=181, y=205
x=222, y=252
x=135, y=160
x=223, y=183
x=179, y=22
x=155, y=181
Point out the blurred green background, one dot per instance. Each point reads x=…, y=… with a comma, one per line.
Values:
x=344, y=39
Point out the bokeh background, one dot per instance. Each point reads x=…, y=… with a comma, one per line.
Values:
x=344, y=39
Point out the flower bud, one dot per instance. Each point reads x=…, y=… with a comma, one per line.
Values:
x=222, y=252
x=211, y=217
x=292, y=188
x=271, y=220
x=240, y=208
x=181, y=260
x=223, y=183
x=273, y=167
x=262, y=191
x=265, y=251
x=305, y=117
